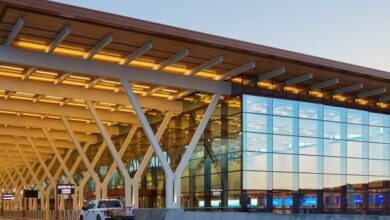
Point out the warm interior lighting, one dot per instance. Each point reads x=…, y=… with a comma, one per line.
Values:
x=10, y=74
x=141, y=86
x=383, y=105
x=68, y=52
x=291, y=89
x=73, y=83
x=47, y=72
x=141, y=64
x=39, y=78
x=31, y=115
x=362, y=101
x=102, y=87
x=30, y=46
x=207, y=75
x=266, y=85
x=340, y=98
x=12, y=68
x=111, y=82
x=160, y=95
x=8, y=112
x=111, y=59
x=316, y=94
x=170, y=90
x=22, y=98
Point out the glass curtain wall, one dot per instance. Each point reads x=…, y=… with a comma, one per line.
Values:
x=307, y=157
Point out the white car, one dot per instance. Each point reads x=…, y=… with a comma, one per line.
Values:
x=106, y=209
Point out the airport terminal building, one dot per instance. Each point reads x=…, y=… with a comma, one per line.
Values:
x=163, y=117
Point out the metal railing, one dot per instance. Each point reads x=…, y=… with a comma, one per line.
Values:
x=43, y=215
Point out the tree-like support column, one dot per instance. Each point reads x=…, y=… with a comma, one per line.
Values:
x=173, y=180
x=146, y=158
x=113, y=166
x=84, y=157
x=78, y=196
x=113, y=151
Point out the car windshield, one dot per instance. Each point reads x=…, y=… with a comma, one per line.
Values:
x=109, y=204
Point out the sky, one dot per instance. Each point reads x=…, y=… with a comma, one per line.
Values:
x=352, y=31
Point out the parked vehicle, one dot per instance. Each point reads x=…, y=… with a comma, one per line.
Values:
x=106, y=209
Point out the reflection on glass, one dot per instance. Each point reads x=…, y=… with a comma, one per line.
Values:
x=283, y=125
x=308, y=145
x=255, y=142
x=255, y=123
x=282, y=144
x=255, y=104
x=308, y=110
x=283, y=107
x=309, y=148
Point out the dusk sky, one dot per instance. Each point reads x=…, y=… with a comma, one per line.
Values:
x=352, y=31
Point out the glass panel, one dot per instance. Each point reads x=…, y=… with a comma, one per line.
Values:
x=255, y=123
x=355, y=132
x=332, y=165
x=255, y=104
x=234, y=161
x=308, y=164
x=283, y=181
x=255, y=180
x=283, y=144
x=283, y=125
x=378, y=151
x=333, y=113
x=255, y=161
x=308, y=128
x=308, y=110
x=283, y=107
x=283, y=162
x=355, y=149
x=355, y=116
x=332, y=130
x=308, y=146
x=332, y=147
x=255, y=142
x=377, y=119
x=378, y=134
x=378, y=167
x=333, y=181
x=355, y=166
x=234, y=179
x=309, y=181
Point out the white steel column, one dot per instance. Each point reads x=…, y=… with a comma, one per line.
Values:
x=79, y=194
x=82, y=154
x=153, y=141
x=191, y=147
x=47, y=172
x=5, y=184
x=59, y=158
x=147, y=156
x=88, y=175
x=60, y=169
x=114, y=153
x=62, y=163
x=27, y=164
x=9, y=175
x=113, y=167
x=15, y=187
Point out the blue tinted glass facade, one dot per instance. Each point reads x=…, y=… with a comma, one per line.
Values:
x=314, y=157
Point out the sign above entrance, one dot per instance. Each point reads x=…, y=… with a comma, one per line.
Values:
x=65, y=189
x=8, y=196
